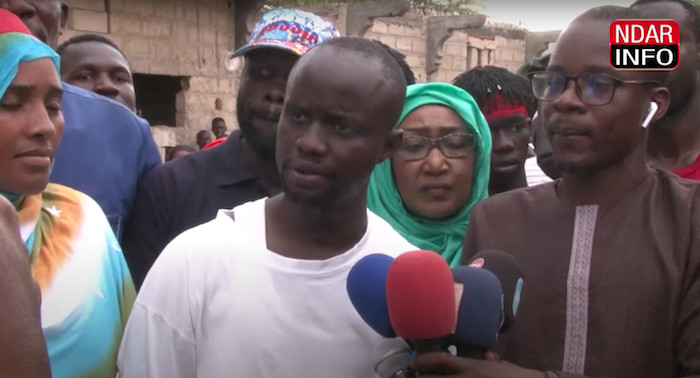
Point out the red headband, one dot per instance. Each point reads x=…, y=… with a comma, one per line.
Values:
x=10, y=23
x=501, y=108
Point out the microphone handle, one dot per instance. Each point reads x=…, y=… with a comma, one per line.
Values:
x=468, y=351
x=404, y=373
x=429, y=346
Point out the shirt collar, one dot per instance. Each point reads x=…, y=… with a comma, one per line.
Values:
x=233, y=168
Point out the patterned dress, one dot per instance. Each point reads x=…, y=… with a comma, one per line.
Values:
x=86, y=288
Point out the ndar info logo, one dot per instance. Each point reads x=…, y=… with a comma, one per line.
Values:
x=644, y=44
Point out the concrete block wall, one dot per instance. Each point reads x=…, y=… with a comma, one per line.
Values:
x=454, y=59
x=462, y=51
x=406, y=35
x=190, y=39
x=510, y=53
x=182, y=38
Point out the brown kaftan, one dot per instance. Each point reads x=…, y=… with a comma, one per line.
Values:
x=608, y=292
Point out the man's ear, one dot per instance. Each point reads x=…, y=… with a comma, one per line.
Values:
x=662, y=98
x=391, y=144
x=530, y=130
x=64, y=14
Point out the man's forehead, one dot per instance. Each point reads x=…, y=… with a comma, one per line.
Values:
x=350, y=83
x=588, y=41
x=93, y=53
x=92, y=48
x=270, y=55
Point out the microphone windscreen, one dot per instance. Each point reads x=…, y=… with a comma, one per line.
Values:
x=505, y=266
x=420, y=296
x=366, y=286
x=479, y=312
x=391, y=357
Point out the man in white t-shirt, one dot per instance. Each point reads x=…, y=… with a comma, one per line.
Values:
x=260, y=290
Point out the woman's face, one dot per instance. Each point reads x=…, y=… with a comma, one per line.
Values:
x=434, y=180
x=31, y=124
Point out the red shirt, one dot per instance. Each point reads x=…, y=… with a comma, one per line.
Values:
x=214, y=143
x=690, y=172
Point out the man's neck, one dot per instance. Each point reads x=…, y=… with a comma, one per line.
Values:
x=500, y=184
x=266, y=168
x=604, y=186
x=674, y=141
x=308, y=232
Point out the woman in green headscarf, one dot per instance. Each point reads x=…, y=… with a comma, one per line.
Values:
x=427, y=190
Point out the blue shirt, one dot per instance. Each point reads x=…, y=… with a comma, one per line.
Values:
x=105, y=152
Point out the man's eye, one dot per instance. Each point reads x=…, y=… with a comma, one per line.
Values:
x=10, y=107
x=297, y=117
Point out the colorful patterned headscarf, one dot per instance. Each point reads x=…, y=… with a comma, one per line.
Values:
x=443, y=236
x=18, y=45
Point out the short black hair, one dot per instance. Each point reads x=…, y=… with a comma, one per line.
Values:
x=370, y=49
x=178, y=148
x=484, y=82
x=692, y=10
x=401, y=60
x=611, y=13
x=202, y=133
x=525, y=69
x=89, y=38
x=217, y=120
x=608, y=13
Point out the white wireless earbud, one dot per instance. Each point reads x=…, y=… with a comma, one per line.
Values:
x=653, y=107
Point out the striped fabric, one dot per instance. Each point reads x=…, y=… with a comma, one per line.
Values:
x=534, y=174
x=86, y=288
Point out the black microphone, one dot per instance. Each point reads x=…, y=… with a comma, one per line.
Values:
x=506, y=268
x=392, y=359
x=480, y=310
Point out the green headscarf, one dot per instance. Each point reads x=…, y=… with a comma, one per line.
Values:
x=443, y=236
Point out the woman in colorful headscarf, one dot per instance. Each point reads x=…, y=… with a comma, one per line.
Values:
x=427, y=190
x=86, y=288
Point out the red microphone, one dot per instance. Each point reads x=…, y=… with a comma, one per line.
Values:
x=420, y=296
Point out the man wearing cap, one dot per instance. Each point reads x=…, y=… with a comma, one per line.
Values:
x=189, y=191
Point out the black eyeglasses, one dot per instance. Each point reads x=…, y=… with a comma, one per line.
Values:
x=453, y=146
x=592, y=89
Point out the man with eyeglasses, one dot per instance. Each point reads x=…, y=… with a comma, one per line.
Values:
x=674, y=140
x=611, y=251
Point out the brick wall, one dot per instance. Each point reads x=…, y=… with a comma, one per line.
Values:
x=187, y=38
x=190, y=38
x=406, y=35
x=494, y=44
x=510, y=45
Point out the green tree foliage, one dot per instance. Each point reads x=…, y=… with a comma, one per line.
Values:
x=452, y=6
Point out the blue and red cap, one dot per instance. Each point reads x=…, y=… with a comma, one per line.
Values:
x=293, y=30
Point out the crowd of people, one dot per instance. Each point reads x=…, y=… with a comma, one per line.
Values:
x=232, y=258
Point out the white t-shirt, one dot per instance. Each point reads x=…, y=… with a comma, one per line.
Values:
x=534, y=174
x=218, y=303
